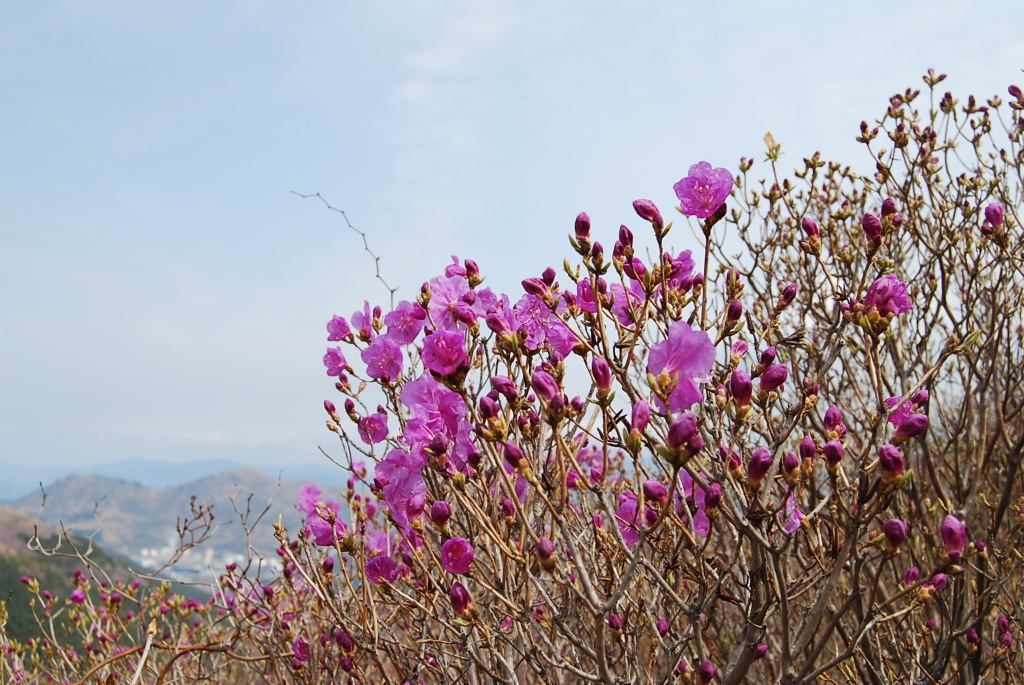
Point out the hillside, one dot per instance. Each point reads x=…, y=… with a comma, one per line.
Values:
x=139, y=523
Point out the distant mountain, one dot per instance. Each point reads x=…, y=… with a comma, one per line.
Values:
x=138, y=522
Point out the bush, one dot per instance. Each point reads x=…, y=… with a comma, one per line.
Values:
x=798, y=462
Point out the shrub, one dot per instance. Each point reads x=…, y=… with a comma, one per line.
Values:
x=798, y=462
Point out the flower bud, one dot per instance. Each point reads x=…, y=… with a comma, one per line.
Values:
x=706, y=673
x=808, y=448
x=872, y=226
x=774, y=377
x=662, y=627
x=834, y=426
x=810, y=227
x=758, y=466
x=888, y=207
x=911, y=576
x=891, y=461
x=938, y=581
x=1002, y=625
x=582, y=227
x=615, y=622
x=536, y=287
x=647, y=211
x=788, y=295
x=545, y=552
x=914, y=425
x=505, y=386
x=741, y=387
x=954, y=537
x=833, y=451
x=994, y=215
x=641, y=416
x=1015, y=91
x=625, y=236
x=545, y=385
x=895, y=532
x=761, y=651
x=460, y=598
x=655, y=491
x=734, y=312
x=713, y=496
x=767, y=357
x=791, y=468
x=602, y=373
x=440, y=512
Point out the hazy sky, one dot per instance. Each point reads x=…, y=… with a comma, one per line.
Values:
x=164, y=295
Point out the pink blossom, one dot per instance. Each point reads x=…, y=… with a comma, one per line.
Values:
x=791, y=515
x=457, y=556
x=703, y=190
x=381, y=569
x=77, y=596
x=383, y=359
x=685, y=354
x=405, y=322
x=444, y=351
x=319, y=524
x=309, y=497
x=374, y=428
x=335, y=362
x=337, y=329
x=888, y=295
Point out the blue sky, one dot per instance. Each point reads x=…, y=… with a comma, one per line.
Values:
x=163, y=293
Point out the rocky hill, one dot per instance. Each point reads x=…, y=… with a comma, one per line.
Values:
x=139, y=523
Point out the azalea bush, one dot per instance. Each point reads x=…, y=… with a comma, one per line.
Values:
x=776, y=440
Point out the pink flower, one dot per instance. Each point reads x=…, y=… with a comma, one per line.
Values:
x=405, y=323
x=77, y=596
x=383, y=359
x=337, y=329
x=888, y=295
x=319, y=524
x=381, y=569
x=444, y=351
x=457, y=556
x=703, y=190
x=685, y=354
x=335, y=362
x=301, y=648
x=309, y=497
x=374, y=428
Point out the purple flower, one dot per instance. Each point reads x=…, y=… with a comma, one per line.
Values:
x=337, y=329
x=602, y=373
x=301, y=649
x=381, y=569
x=703, y=190
x=77, y=596
x=655, y=491
x=685, y=355
x=444, y=352
x=791, y=514
x=699, y=500
x=335, y=362
x=888, y=295
x=309, y=497
x=457, y=556
x=383, y=359
x=912, y=575
x=626, y=516
x=460, y=599
x=374, y=428
x=405, y=323
x=319, y=524
x=954, y=537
